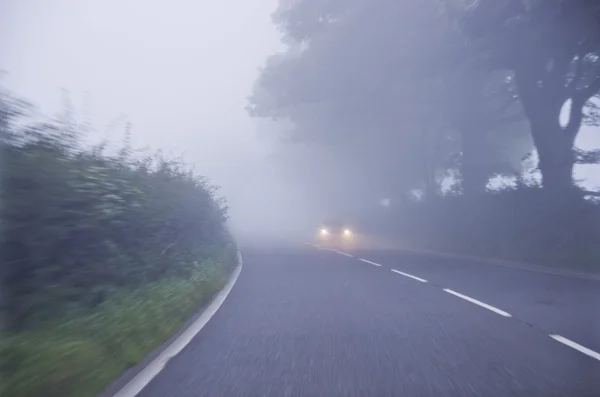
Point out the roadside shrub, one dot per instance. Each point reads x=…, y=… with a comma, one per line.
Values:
x=104, y=256
x=79, y=224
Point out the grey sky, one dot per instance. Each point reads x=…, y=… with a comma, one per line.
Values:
x=180, y=70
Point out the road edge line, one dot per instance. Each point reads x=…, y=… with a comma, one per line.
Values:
x=145, y=376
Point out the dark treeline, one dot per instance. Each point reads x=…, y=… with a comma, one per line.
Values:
x=435, y=99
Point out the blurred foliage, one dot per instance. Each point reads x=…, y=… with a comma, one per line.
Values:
x=104, y=256
x=81, y=356
x=79, y=224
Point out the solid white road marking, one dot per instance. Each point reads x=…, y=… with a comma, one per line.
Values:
x=576, y=346
x=135, y=386
x=410, y=275
x=475, y=301
x=343, y=253
x=368, y=261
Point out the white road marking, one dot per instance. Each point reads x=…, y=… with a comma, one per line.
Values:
x=141, y=380
x=475, y=301
x=317, y=246
x=312, y=245
x=343, y=253
x=577, y=346
x=410, y=275
x=368, y=261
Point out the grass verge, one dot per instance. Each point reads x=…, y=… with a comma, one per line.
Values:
x=80, y=356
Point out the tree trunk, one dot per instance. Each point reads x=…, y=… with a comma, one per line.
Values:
x=556, y=156
x=471, y=123
x=554, y=144
x=473, y=167
x=431, y=187
x=430, y=147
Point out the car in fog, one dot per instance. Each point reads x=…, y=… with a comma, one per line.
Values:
x=335, y=230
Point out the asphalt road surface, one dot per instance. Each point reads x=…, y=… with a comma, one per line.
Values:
x=303, y=321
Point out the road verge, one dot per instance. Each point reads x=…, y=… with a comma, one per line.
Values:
x=139, y=377
x=81, y=355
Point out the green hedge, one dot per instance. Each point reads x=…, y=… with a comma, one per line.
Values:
x=80, y=356
x=79, y=224
x=104, y=254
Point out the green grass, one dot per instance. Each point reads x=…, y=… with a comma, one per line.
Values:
x=80, y=356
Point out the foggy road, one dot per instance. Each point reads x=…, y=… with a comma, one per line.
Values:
x=307, y=322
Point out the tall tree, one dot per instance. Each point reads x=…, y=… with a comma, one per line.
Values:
x=341, y=82
x=553, y=49
x=393, y=79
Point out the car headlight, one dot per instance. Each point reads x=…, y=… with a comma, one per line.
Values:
x=324, y=231
x=347, y=232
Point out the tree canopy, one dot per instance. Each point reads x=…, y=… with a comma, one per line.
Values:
x=552, y=47
x=416, y=90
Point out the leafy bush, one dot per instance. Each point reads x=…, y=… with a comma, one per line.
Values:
x=103, y=256
x=79, y=224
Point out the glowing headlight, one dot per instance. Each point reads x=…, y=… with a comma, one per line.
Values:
x=324, y=231
x=347, y=232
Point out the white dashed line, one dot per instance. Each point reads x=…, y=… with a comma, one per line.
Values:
x=343, y=253
x=316, y=246
x=475, y=301
x=369, y=262
x=410, y=275
x=576, y=346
